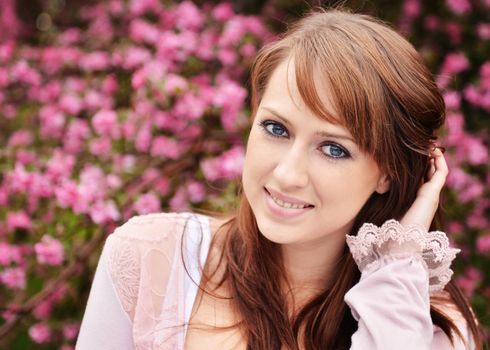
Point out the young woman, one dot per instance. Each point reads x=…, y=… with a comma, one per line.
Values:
x=329, y=248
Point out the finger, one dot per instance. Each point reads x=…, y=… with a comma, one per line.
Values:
x=440, y=168
x=431, y=169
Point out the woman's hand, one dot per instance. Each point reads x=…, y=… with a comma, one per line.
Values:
x=425, y=205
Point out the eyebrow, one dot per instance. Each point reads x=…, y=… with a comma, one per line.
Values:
x=319, y=133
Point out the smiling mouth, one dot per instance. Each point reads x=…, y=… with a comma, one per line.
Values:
x=288, y=205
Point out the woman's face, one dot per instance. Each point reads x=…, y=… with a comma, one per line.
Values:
x=305, y=178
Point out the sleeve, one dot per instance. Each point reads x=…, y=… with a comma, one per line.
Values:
x=104, y=314
x=137, y=296
x=400, y=268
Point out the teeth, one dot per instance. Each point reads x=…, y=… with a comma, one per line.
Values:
x=288, y=205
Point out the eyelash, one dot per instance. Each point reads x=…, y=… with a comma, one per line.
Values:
x=265, y=123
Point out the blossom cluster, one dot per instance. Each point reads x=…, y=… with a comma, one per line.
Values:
x=135, y=113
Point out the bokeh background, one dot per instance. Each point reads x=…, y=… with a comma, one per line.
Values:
x=110, y=109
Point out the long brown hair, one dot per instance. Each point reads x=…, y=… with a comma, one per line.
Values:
x=389, y=102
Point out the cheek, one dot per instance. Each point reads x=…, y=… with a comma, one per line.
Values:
x=346, y=188
x=259, y=157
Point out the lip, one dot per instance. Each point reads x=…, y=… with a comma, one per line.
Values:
x=286, y=198
x=280, y=212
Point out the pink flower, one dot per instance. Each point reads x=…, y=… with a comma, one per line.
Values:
x=18, y=219
x=207, y=42
x=455, y=227
x=483, y=244
x=69, y=36
x=223, y=12
x=109, y=84
x=7, y=48
x=189, y=106
x=147, y=203
x=94, y=100
x=101, y=147
x=196, y=191
x=162, y=186
x=227, y=166
x=113, y=181
x=4, y=78
x=188, y=16
x=103, y=212
x=469, y=281
x=477, y=221
x=67, y=193
x=105, y=123
x=9, y=254
x=14, y=278
x=49, y=251
x=43, y=310
x=52, y=122
x=459, y=7
x=454, y=30
x=142, y=31
x=77, y=131
x=411, y=8
x=175, y=83
x=233, y=32
x=40, y=333
x=231, y=94
x=474, y=149
x=254, y=25
x=135, y=57
x=21, y=72
x=248, y=50
x=227, y=56
x=457, y=179
x=455, y=63
x=71, y=104
x=139, y=7
x=179, y=201
x=60, y=165
x=473, y=191
x=165, y=147
x=143, y=138
x=20, y=138
x=483, y=30
x=472, y=94
x=26, y=157
x=70, y=331
x=485, y=75
x=95, y=61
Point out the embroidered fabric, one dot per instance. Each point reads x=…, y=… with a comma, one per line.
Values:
x=373, y=244
x=145, y=264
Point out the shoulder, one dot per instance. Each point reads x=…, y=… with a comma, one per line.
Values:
x=159, y=226
x=144, y=251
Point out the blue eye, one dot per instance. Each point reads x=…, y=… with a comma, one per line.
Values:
x=331, y=151
x=274, y=128
x=334, y=151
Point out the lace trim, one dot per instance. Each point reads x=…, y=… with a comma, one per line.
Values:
x=373, y=243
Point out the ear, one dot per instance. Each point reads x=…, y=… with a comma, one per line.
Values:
x=383, y=185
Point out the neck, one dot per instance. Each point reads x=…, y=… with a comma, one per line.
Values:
x=310, y=266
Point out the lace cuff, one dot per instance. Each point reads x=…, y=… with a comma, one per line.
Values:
x=372, y=243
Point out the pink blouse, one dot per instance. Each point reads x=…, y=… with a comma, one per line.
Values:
x=141, y=289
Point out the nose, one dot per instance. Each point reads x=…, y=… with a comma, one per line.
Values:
x=292, y=169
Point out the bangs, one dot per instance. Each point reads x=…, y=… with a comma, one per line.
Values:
x=325, y=70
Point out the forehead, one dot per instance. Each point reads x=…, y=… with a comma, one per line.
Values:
x=283, y=91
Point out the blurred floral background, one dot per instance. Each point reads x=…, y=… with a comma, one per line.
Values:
x=110, y=109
